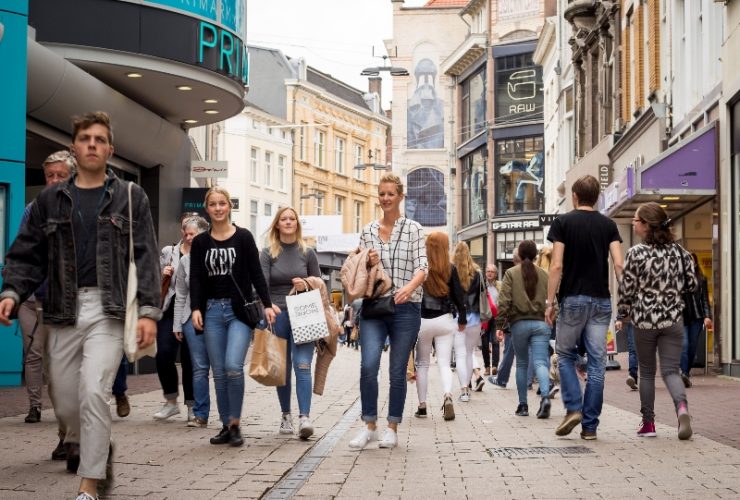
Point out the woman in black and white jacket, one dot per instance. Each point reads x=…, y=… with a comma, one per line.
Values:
x=656, y=272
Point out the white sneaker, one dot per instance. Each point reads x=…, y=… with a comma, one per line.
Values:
x=191, y=415
x=305, y=428
x=86, y=496
x=286, y=424
x=167, y=411
x=390, y=439
x=363, y=438
x=465, y=397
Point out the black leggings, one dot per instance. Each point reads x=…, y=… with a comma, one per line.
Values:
x=490, y=346
x=167, y=347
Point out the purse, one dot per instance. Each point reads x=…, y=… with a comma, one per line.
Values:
x=484, y=307
x=269, y=358
x=383, y=306
x=130, y=325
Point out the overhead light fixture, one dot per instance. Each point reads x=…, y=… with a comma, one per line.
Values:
x=211, y=111
x=134, y=75
x=190, y=121
x=671, y=198
x=210, y=101
x=393, y=70
x=663, y=205
x=184, y=87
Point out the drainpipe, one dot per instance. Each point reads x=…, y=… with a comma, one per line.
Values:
x=451, y=160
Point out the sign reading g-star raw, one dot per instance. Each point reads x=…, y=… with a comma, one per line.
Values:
x=519, y=94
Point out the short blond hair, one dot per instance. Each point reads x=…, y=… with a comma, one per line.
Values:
x=392, y=179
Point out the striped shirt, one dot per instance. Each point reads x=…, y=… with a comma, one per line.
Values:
x=406, y=248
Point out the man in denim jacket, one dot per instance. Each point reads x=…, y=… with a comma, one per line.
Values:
x=77, y=238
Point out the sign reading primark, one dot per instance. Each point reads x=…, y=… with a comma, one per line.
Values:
x=516, y=225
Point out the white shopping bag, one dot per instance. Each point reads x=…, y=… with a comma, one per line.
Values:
x=307, y=318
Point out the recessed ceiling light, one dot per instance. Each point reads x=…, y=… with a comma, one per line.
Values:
x=663, y=205
x=134, y=75
x=671, y=198
x=211, y=111
x=190, y=121
x=184, y=87
x=211, y=101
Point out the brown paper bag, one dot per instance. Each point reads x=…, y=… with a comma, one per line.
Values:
x=269, y=353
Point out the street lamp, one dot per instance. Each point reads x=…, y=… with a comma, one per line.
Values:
x=370, y=164
x=376, y=70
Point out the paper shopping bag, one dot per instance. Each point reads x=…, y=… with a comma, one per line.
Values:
x=307, y=318
x=269, y=353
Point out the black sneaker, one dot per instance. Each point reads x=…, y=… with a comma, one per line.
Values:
x=222, y=437
x=522, y=410
x=73, y=457
x=421, y=412
x=479, y=384
x=235, y=436
x=544, y=411
x=34, y=415
x=60, y=452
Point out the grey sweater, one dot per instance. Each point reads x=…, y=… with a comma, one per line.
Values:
x=291, y=263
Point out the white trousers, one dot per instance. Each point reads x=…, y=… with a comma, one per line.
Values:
x=440, y=330
x=83, y=361
x=465, y=361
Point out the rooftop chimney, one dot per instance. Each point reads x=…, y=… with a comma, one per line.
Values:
x=373, y=87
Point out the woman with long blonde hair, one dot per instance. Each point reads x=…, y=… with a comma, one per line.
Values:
x=443, y=296
x=285, y=262
x=470, y=280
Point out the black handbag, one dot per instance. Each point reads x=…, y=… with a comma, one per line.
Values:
x=383, y=306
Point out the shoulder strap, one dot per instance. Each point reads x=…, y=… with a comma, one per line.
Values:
x=130, y=225
x=393, y=254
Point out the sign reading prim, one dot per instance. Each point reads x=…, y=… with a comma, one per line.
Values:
x=230, y=13
x=219, y=49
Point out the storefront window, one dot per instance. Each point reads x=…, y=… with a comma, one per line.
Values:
x=426, y=201
x=520, y=175
x=474, y=191
x=473, y=105
x=519, y=96
x=506, y=243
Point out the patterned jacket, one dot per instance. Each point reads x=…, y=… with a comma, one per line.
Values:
x=654, y=278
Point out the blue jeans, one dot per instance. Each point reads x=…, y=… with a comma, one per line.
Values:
x=302, y=355
x=201, y=366
x=504, y=369
x=119, y=384
x=227, y=341
x=632, y=360
x=583, y=319
x=691, y=334
x=531, y=337
x=402, y=329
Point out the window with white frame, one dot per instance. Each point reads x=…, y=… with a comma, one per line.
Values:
x=319, y=145
x=378, y=161
x=339, y=205
x=281, y=171
x=268, y=168
x=339, y=155
x=302, y=141
x=359, y=154
x=358, y=216
x=320, y=195
x=302, y=201
x=253, y=213
x=254, y=165
x=267, y=209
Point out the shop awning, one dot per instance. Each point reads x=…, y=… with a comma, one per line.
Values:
x=680, y=179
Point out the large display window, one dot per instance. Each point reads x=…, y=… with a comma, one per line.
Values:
x=474, y=192
x=473, y=105
x=520, y=175
x=426, y=201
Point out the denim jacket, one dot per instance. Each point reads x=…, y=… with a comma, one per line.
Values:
x=45, y=248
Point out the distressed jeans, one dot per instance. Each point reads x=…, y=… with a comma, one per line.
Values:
x=402, y=329
x=301, y=357
x=227, y=341
x=201, y=366
x=583, y=319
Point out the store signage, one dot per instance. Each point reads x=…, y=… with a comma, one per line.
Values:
x=605, y=176
x=192, y=200
x=209, y=169
x=345, y=242
x=311, y=225
x=219, y=49
x=516, y=225
x=547, y=219
x=519, y=95
x=229, y=13
x=513, y=9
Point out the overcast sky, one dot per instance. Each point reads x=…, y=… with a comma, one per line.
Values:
x=334, y=36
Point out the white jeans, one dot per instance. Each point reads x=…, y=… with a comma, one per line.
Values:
x=440, y=330
x=83, y=361
x=465, y=361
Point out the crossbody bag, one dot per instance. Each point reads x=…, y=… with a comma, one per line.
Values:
x=384, y=306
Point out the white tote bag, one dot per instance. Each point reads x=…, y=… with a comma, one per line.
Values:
x=307, y=318
x=130, y=348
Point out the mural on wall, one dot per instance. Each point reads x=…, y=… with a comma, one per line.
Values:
x=425, y=111
x=520, y=175
x=426, y=201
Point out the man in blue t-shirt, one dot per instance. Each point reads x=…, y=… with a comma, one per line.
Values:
x=582, y=241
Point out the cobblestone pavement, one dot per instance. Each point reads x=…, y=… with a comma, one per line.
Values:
x=474, y=456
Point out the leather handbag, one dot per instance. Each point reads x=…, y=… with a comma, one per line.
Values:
x=485, y=307
x=379, y=307
x=130, y=326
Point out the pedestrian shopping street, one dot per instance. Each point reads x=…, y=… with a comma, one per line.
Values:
x=486, y=452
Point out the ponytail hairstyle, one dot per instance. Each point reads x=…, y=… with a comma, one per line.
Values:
x=465, y=265
x=528, y=253
x=659, y=224
x=438, y=255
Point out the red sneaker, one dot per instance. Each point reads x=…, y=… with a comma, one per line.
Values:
x=647, y=429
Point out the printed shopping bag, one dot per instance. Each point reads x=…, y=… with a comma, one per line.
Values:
x=307, y=318
x=269, y=354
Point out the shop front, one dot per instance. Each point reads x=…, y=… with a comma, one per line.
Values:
x=509, y=232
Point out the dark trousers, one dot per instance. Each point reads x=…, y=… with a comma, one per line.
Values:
x=119, y=384
x=167, y=347
x=490, y=346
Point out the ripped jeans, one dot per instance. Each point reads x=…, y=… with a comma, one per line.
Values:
x=227, y=341
x=302, y=356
